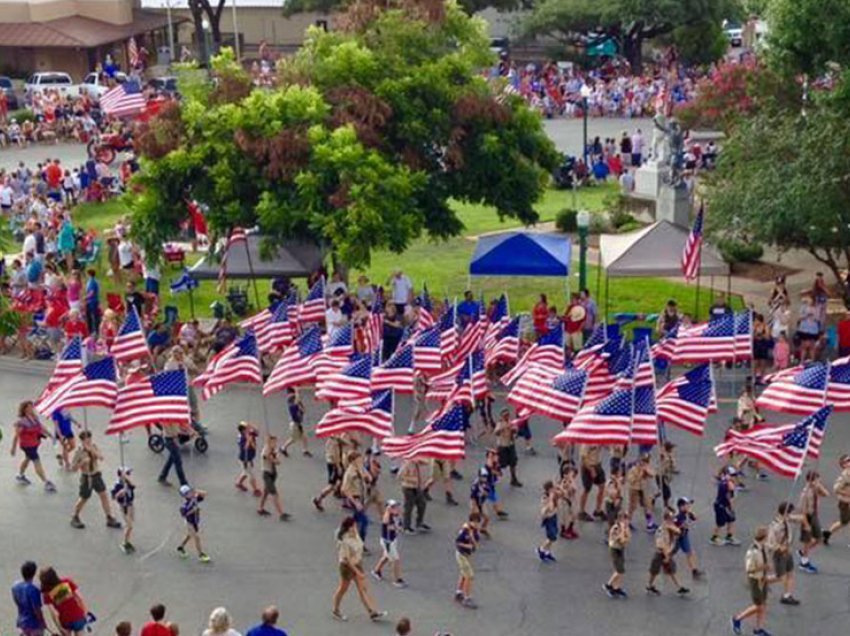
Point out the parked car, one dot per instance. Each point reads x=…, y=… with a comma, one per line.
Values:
x=11, y=96
x=166, y=85
x=96, y=84
x=39, y=82
x=734, y=33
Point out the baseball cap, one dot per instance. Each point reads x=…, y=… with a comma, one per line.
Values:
x=185, y=490
x=125, y=470
x=391, y=503
x=683, y=501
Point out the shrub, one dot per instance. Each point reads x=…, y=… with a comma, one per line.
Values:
x=22, y=115
x=566, y=220
x=619, y=217
x=735, y=251
x=599, y=224
x=629, y=226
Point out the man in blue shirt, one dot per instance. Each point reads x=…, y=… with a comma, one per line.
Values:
x=267, y=627
x=27, y=598
x=92, y=302
x=468, y=309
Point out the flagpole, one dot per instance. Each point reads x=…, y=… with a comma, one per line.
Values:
x=699, y=269
x=192, y=302
x=251, y=270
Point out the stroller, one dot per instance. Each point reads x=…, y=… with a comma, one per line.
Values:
x=156, y=440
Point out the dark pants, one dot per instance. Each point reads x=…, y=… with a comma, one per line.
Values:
x=93, y=319
x=414, y=498
x=175, y=460
x=362, y=521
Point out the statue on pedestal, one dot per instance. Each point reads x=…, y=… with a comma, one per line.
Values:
x=668, y=148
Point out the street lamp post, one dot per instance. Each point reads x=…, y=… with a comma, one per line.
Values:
x=236, y=35
x=585, y=94
x=170, y=31
x=583, y=223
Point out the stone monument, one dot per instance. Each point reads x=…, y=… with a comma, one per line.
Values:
x=661, y=177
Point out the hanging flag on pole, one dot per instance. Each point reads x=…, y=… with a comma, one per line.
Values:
x=69, y=364
x=395, y=373
x=240, y=362
x=801, y=394
x=313, y=308
x=95, y=385
x=555, y=396
x=162, y=398
x=375, y=420
x=130, y=343
x=441, y=439
x=124, y=100
x=692, y=254
x=183, y=283
x=295, y=366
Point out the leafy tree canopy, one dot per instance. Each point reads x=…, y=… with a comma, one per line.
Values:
x=807, y=35
x=291, y=7
x=369, y=135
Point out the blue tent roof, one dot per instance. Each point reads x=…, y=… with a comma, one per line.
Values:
x=521, y=254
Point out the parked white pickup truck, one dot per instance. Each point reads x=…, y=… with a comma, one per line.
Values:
x=40, y=82
x=95, y=84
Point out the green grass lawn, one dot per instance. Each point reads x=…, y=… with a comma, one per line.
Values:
x=443, y=265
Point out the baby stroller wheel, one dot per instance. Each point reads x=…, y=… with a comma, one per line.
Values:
x=201, y=444
x=156, y=442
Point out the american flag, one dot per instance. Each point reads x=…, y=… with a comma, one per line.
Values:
x=313, y=307
x=124, y=100
x=239, y=362
x=130, y=343
x=426, y=310
x=697, y=375
x=692, y=254
x=295, y=366
x=685, y=405
x=608, y=423
x=236, y=235
x=838, y=390
x=472, y=339
x=505, y=346
x=498, y=321
x=375, y=324
x=353, y=384
x=256, y=321
x=395, y=373
x=714, y=341
x=441, y=439
x=183, y=283
x=665, y=348
x=133, y=52
x=469, y=384
x=644, y=370
x=592, y=348
x=645, y=419
x=162, y=398
x=375, y=420
x=96, y=385
x=788, y=455
x=426, y=351
x=448, y=331
x=277, y=332
x=744, y=335
x=69, y=364
x=801, y=394
x=555, y=396
x=336, y=353
x=548, y=352
x=766, y=435
x=614, y=360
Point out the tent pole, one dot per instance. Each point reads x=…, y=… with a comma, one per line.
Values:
x=253, y=278
x=696, y=300
x=607, y=295
x=598, y=271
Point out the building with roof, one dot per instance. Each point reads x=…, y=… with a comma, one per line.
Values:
x=73, y=35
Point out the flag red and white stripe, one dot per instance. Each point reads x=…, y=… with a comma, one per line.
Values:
x=95, y=385
x=162, y=398
x=130, y=343
x=237, y=235
x=692, y=253
x=375, y=419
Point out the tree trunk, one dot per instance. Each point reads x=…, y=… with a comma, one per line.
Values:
x=633, y=50
x=200, y=37
x=339, y=267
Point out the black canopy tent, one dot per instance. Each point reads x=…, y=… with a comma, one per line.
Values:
x=293, y=259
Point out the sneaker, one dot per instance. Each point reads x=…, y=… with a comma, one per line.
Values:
x=620, y=592
x=263, y=512
x=284, y=452
x=376, y=616
x=111, y=522
x=651, y=589
x=716, y=541
x=541, y=555
x=258, y=493
x=516, y=483
x=76, y=523
x=377, y=575
x=599, y=515
x=411, y=429
x=683, y=591
x=318, y=504
x=736, y=625
x=162, y=481
x=450, y=500
x=203, y=557
x=126, y=548
x=339, y=616
x=410, y=531
x=789, y=600
x=307, y=453
x=730, y=540
x=809, y=567
x=181, y=552
x=129, y=546
x=761, y=632
x=241, y=487
x=609, y=590
x=826, y=535
x=531, y=451
x=458, y=597
x=49, y=486
x=570, y=534
x=284, y=516
x=400, y=584
x=468, y=603
x=697, y=574
x=23, y=480
x=583, y=516
x=502, y=514
x=423, y=527
x=456, y=475
x=651, y=527
x=366, y=551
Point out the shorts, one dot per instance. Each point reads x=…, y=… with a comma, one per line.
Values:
x=76, y=626
x=807, y=337
x=723, y=515
x=658, y=563
x=507, y=456
x=611, y=512
x=758, y=592
x=550, y=526
x=91, y=483
x=493, y=495
x=31, y=631
x=814, y=530
x=296, y=431
x=588, y=480
x=390, y=549
x=464, y=565
x=618, y=558
x=615, y=464
x=31, y=453
x=844, y=512
x=783, y=563
x=193, y=525
x=152, y=286
x=346, y=572
x=334, y=474
x=269, y=485
x=637, y=495
x=683, y=543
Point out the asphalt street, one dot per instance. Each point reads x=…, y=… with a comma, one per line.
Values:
x=260, y=561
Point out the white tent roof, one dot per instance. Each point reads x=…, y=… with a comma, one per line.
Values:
x=655, y=250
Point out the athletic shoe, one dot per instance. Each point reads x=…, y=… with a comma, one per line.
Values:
x=339, y=616
x=598, y=514
x=111, y=522
x=76, y=523
x=204, y=557
x=551, y=557
x=730, y=540
x=761, y=632
x=620, y=592
x=307, y=453
x=258, y=493
x=450, y=500
x=502, y=514
x=654, y=591
x=789, y=600
x=241, y=487
x=181, y=552
x=683, y=591
x=697, y=574
x=651, y=527
x=49, y=486
x=409, y=531
x=264, y=513
x=456, y=475
x=736, y=625
x=716, y=541
x=318, y=504
x=126, y=548
x=809, y=567
x=826, y=535
x=541, y=555
x=459, y=597
x=583, y=516
x=423, y=527
x=468, y=603
x=400, y=584
x=376, y=616
x=284, y=452
x=570, y=534
x=23, y=480
x=530, y=451
x=285, y=516
x=377, y=575
x=609, y=590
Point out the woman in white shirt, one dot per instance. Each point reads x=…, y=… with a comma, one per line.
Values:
x=219, y=624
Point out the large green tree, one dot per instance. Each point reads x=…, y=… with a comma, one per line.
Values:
x=807, y=35
x=369, y=136
x=630, y=22
x=291, y=7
